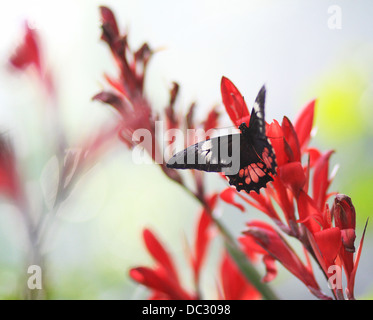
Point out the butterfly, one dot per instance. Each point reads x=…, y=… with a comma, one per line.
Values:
x=247, y=159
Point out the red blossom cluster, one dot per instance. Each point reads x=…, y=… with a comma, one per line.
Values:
x=164, y=282
x=296, y=200
x=301, y=193
x=127, y=96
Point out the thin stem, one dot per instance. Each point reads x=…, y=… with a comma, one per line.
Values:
x=35, y=255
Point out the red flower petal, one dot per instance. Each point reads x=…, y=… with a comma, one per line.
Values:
x=329, y=243
x=309, y=215
x=235, y=285
x=28, y=52
x=116, y=84
x=228, y=195
x=292, y=174
x=212, y=120
x=159, y=282
x=234, y=102
x=250, y=247
x=172, y=121
x=158, y=252
x=351, y=280
x=344, y=215
x=276, y=136
x=265, y=236
x=320, y=180
x=114, y=100
x=348, y=239
x=189, y=116
x=203, y=237
x=271, y=270
x=314, y=155
x=291, y=138
x=265, y=205
x=344, y=212
x=146, y=276
x=284, y=199
x=303, y=124
x=109, y=25
x=9, y=178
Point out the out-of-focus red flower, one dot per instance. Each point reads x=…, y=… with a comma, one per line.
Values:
x=131, y=64
x=202, y=238
x=128, y=96
x=228, y=195
x=234, y=285
x=9, y=178
x=299, y=189
x=211, y=121
x=27, y=54
x=172, y=121
x=163, y=279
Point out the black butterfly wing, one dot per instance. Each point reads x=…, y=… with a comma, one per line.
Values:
x=257, y=130
x=258, y=161
x=246, y=166
x=257, y=125
x=247, y=159
x=257, y=164
x=220, y=154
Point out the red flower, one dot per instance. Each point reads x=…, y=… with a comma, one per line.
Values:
x=304, y=122
x=274, y=247
x=27, y=54
x=162, y=279
x=172, y=121
x=330, y=245
x=234, y=102
x=228, y=194
x=202, y=240
x=128, y=98
x=344, y=215
x=132, y=65
x=234, y=285
x=305, y=215
x=9, y=178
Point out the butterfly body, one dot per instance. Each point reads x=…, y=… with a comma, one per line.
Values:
x=247, y=159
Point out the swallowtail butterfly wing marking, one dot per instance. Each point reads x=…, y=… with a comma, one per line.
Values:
x=246, y=158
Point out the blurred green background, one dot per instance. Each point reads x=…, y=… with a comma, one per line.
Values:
x=287, y=45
